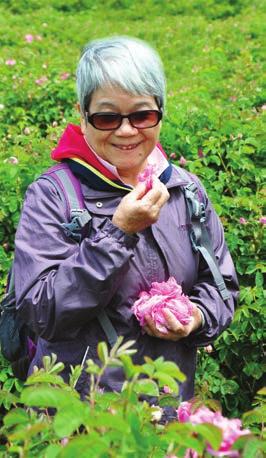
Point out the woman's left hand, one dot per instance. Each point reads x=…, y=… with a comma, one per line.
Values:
x=176, y=330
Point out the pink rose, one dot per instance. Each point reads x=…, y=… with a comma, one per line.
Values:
x=200, y=153
x=182, y=161
x=147, y=176
x=231, y=429
x=11, y=160
x=163, y=296
x=11, y=62
x=64, y=76
x=42, y=80
x=29, y=38
x=262, y=220
x=242, y=220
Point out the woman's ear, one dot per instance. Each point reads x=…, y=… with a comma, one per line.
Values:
x=83, y=123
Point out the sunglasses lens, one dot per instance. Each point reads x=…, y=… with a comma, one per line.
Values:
x=144, y=119
x=106, y=121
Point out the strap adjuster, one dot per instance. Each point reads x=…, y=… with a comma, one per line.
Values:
x=79, y=219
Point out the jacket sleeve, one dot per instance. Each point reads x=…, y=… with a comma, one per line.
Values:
x=61, y=285
x=218, y=314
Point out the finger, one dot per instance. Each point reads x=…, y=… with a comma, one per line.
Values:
x=151, y=330
x=172, y=322
x=160, y=335
x=151, y=197
x=151, y=325
x=162, y=194
x=163, y=199
x=138, y=192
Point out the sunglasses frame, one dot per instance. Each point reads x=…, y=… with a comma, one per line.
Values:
x=121, y=117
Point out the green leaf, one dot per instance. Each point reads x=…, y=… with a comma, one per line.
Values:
x=210, y=433
x=170, y=368
x=52, y=451
x=125, y=348
x=69, y=419
x=168, y=400
x=45, y=396
x=251, y=448
x=15, y=417
x=113, y=421
x=45, y=377
x=165, y=379
x=28, y=432
x=6, y=396
x=148, y=387
x=102, y=351
x=262, y=391
x=259, y=279
x=84, y=446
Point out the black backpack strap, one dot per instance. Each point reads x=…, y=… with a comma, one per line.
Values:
x=199, y=236
x=69, y=187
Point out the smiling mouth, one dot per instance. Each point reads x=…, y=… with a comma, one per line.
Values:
x=127, y=147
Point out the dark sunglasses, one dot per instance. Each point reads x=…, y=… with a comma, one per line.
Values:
x=112, y=121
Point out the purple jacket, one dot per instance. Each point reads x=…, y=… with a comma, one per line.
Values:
x=61, y=285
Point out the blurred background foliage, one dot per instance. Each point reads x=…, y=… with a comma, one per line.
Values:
x=214, y=126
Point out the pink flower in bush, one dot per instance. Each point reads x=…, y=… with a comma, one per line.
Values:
x=64, y=76
x=42, y=80
x=172, y=156
x=64, y=441
x=200, y=153
x=262, y=220
x=147, y=176
x=11, y=160
x=184, y=411
x=163, y=296
x=242, y=220
x=29, y=38
x=231, y=429
x=182, y=161
x=11, y=62
x=167, y=390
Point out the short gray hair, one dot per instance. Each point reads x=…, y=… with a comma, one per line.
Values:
x=128, y=63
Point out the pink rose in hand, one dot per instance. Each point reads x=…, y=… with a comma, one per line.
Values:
x=163, y=296
x=147, y=176
x=231, y=429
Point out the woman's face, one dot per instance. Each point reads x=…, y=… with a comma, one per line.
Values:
x=127, y=147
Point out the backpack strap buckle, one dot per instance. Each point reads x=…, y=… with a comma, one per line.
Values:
x=196, y=208
x=79, y=219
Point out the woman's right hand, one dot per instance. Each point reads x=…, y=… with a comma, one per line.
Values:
x=138, y=209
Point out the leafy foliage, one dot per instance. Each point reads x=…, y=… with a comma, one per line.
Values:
x=106, y=424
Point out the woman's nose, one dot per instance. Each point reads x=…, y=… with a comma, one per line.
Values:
x=126, y=128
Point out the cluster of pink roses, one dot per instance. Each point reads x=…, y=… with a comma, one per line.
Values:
x=231, y=429
x=166, y=295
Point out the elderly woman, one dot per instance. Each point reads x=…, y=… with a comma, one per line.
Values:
x=136, y=237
